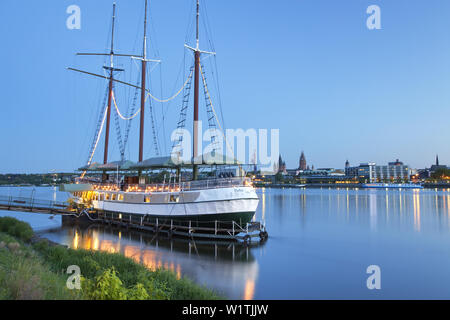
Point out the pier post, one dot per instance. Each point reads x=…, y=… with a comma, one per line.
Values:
x=215, y=251
x=233, y=253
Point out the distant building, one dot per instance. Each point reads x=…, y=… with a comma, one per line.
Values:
x=426, y=173
x=372, y=173
x=292, y=172
x=437, y=166
x=281, y=165
x=302, y=163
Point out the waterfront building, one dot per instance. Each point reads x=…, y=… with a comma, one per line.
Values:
x=426, y=173
x=293, y=172
x=370, y=172
x=352, y=172
x=437, y=166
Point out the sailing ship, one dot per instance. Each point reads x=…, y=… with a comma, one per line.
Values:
x=122, y=187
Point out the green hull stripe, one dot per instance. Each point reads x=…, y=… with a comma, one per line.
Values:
x=243, y=217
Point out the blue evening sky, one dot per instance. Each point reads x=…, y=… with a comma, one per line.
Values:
x=308, y=67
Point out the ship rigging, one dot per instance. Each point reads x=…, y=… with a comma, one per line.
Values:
x=133, y=189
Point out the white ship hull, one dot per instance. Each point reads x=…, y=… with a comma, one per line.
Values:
x=221, y=204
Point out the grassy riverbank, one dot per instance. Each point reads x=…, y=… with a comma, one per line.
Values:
x=36, y=269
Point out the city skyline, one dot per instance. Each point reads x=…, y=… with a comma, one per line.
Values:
x=334, y=88
x=304, y=164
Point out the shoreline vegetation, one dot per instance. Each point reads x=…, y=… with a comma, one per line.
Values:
x=32, y=268
x=45, y=179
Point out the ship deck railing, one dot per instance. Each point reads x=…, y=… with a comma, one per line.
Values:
x=172, y=186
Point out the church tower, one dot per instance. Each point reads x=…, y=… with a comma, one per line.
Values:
x=281, y=165
x=302, y=164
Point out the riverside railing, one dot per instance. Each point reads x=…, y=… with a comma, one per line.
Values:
x=31, y=202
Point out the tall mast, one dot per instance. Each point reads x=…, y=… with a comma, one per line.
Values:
x=111, y=79
x=144, y=72
x=196, y=93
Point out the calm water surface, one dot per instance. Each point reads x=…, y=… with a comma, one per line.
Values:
x=321, y=242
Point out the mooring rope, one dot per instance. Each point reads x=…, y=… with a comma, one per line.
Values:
x=87, y=214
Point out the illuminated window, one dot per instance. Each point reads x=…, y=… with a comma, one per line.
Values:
x=174, y=198
x=102, y=196
x=120, y=197
x=147, y=199
x=107, y=196
x=113, y=197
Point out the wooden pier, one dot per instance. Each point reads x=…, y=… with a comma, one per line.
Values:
x=213, y=230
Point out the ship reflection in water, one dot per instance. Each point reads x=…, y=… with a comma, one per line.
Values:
x=229, y=268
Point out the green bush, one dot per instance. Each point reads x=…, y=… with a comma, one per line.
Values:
x=108, y=286
x=16, y=228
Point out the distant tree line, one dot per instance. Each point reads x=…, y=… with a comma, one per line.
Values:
x=441, y=174
x=34, y=179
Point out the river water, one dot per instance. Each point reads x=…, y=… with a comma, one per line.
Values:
x=321, y=242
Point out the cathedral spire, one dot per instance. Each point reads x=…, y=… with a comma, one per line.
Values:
x=302, y=164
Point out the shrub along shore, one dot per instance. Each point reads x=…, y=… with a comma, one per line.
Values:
x=34, y=268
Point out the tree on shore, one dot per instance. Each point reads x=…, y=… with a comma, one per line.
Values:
x=441, y=174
